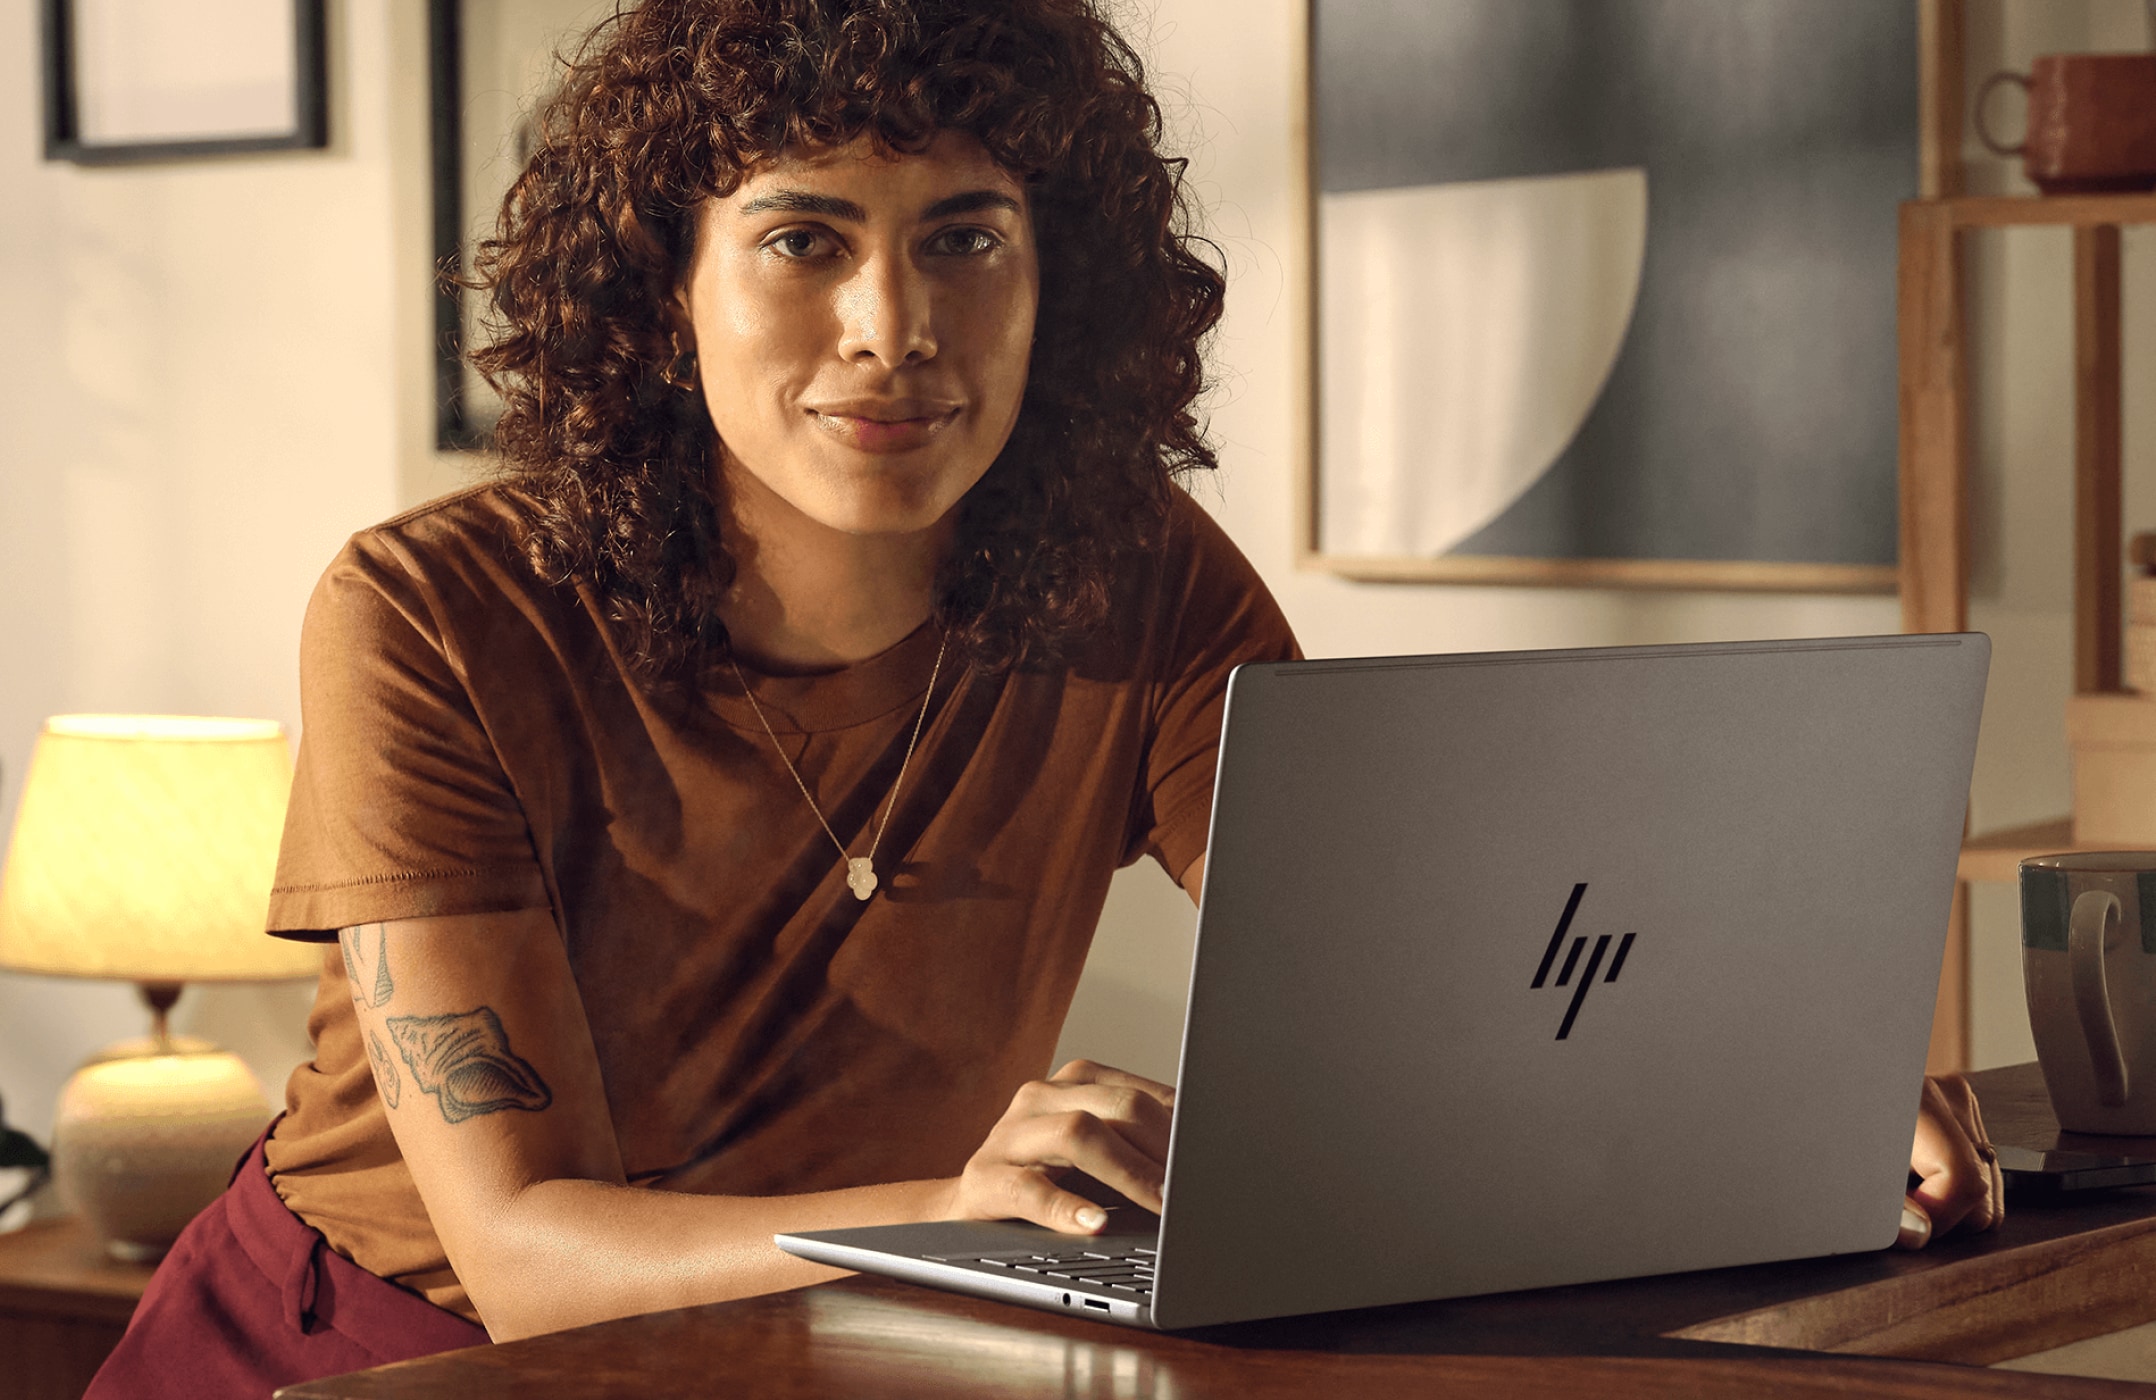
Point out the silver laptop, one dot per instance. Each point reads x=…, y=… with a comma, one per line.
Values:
x=1534, y=968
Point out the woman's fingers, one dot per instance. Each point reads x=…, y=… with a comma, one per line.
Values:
x=1135, y=1112
x=1916, y=1230
x=1117, y=1136
x=1087, y=1072
x=1959, y=1183
x=1982, y=1197
x=1001, y=1191
x=1080, y=1140
x=1961, y=1101
x=1107, y=1123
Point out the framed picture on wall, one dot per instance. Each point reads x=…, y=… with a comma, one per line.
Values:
x=1603, y=291
x=494, y=64
x=147, y=80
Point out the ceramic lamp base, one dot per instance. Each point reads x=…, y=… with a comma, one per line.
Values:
x=144, y=1141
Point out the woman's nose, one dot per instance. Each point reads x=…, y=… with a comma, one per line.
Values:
x=885, y=313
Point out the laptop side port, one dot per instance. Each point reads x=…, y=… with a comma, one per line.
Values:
x=1099, y=1303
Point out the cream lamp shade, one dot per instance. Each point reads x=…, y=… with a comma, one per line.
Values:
x=144, y=850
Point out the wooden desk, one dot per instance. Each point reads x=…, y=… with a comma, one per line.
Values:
x=1870, y=1324
x=63, y=1304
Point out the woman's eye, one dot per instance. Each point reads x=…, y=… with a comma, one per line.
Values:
x=963, y=241
x=795, y=243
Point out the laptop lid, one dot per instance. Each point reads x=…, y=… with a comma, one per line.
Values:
x=1537, y=968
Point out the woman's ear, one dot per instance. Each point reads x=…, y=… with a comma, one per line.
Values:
x=680, y=371
x=683, y=308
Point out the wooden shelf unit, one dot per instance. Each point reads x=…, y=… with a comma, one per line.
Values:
x=1935, y=483
x=1996, y=856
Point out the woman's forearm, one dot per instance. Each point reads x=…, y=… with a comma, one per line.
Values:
x=567, y=1252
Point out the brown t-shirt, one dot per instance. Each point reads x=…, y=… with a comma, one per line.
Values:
x=473, y=744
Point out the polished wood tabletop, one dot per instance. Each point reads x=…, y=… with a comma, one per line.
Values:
x=1895, y=1323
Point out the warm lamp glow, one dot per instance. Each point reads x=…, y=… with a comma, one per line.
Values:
x=144, y=849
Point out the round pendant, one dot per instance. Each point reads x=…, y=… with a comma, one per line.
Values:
x=860, y=877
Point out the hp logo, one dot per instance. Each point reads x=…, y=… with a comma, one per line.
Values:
x=1572, y=959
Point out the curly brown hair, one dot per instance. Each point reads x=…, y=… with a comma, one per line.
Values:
x=674, y=101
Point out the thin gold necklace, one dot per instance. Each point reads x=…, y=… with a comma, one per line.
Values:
x=860, y=870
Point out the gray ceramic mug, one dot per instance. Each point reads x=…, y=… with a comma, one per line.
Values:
x=2088, y=963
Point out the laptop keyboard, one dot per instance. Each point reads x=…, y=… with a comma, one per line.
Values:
x=1130, y=1273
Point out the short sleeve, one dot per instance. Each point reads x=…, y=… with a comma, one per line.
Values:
x=1219, y=615
x=400, y=806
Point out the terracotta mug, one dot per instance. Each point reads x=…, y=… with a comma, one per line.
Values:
x=2092, y=122
x=2088, y=963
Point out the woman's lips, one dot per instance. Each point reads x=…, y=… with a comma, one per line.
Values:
x=885, y=427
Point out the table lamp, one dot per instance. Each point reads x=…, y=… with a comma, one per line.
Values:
x=144, y=849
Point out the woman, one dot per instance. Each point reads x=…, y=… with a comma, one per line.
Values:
x=714, y=811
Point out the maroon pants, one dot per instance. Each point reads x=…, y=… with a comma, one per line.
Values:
x=252, y=1298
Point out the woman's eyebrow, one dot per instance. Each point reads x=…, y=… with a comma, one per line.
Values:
x=833, y=207
x=972, y=202
x=802, y=202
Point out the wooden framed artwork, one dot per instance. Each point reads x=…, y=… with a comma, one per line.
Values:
x=492, y=63
x=128, y=81
x=1602, y=292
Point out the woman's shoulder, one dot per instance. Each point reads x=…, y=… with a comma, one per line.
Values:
x=470, y=541
x=454, y=563
x=1195, y=541
x=1203, y=569
x=485, y=518
x=1195, y=589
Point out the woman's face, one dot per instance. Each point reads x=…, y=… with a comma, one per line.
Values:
x=863, y=324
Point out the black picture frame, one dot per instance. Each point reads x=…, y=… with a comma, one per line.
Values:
x=64, y=139
x=491, y=65
x=454, y=429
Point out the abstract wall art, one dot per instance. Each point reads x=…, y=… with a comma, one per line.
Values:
x=1604, y=290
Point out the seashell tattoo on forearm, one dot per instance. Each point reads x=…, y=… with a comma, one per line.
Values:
x=367, y=967
x=464, y=1060
x=385, y=1070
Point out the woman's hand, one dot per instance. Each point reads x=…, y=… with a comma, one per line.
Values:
x=1111, y=1125
x=1959, y=1184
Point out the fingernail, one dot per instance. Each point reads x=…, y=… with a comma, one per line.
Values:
x=1915, y=1229
x=1092, y=1217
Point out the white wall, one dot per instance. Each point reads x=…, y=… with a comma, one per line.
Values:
x=210, y=372
x=199, y=391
